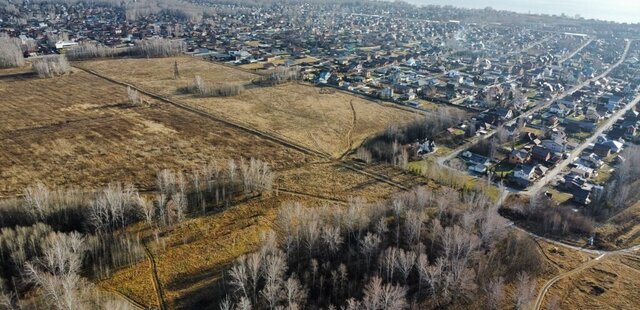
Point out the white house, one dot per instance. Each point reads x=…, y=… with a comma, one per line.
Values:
x=555, y=146
x=65, y=44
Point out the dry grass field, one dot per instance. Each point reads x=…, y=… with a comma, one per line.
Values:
x=78, y=130
x=156, y=74
x=622, y=230
x=333, y=181
x=331, y=123
x=610, y=284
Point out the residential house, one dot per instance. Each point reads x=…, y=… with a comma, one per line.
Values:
x=591, y=160
x=504, y=114
x=523, y=175
x=521, y=156
x=592, y=115
x=557, y=134
x=583, y=171
x=557, y=145
x=541, y=153
x=478, y=168
x=552, y=121
x=602, y=150
x=615, y=146
x=560, y=110
x=428, y=146
x=582, y=195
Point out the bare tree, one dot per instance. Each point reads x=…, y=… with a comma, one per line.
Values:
x=405, y=262
x=413, y=226
x=10, y=53
x=37, y=200
x=176, y=73
x=50, y=66
x=495, y=293
x=133, y=95
x=114, y=207
x=274, y=268
x=244, y=304
x=526, y=289
x=57, y=272
x=383, y=296
x=239, y=277
x=295, y=294
x=369, y=246
x=6, y=298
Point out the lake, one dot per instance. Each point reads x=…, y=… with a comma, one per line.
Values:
x=612, y=10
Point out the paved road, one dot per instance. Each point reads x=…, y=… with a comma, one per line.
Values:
x=442, y=160
x=539, y=184
x=575, y=52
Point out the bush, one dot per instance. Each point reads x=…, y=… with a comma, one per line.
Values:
x=387, y=146
x=91, y=50
x=281, y=75
x=201, y=88
x=50, y=66
x=10, y=53
x=143, y=48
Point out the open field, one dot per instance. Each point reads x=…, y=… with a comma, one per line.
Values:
x=79, y=130
x=610, y=284
x=331, y=123
x=334, y=181
x=156, y=74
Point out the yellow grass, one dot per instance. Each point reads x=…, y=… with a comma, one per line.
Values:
x=296, y=112
x=78, y=130
x=156, y=74
x=611, y=284
x=336, y=182
x=300, y=113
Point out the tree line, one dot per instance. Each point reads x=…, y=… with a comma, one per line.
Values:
x=421, y=249
x=156, y=47
x=201, y=88
x=51, y=65
x=55, y=240
x=389, y=146
x=10, y=53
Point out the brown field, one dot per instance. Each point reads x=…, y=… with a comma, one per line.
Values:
x=78, y=130
x=331, y=123
x=611, y=284
x=333, y=181
x=156, y=74
x=622, y=230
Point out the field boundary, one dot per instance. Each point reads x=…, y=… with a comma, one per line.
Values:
x=254, y=131
x=251, y=130
x=155, y=279
x=128, y=299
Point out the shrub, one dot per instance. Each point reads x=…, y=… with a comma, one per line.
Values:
x=201, y=88
x=50, y=66
x=10, y=53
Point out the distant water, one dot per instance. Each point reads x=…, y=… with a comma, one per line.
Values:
x=624, y=11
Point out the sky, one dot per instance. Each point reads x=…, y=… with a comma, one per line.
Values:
x=612, y=10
